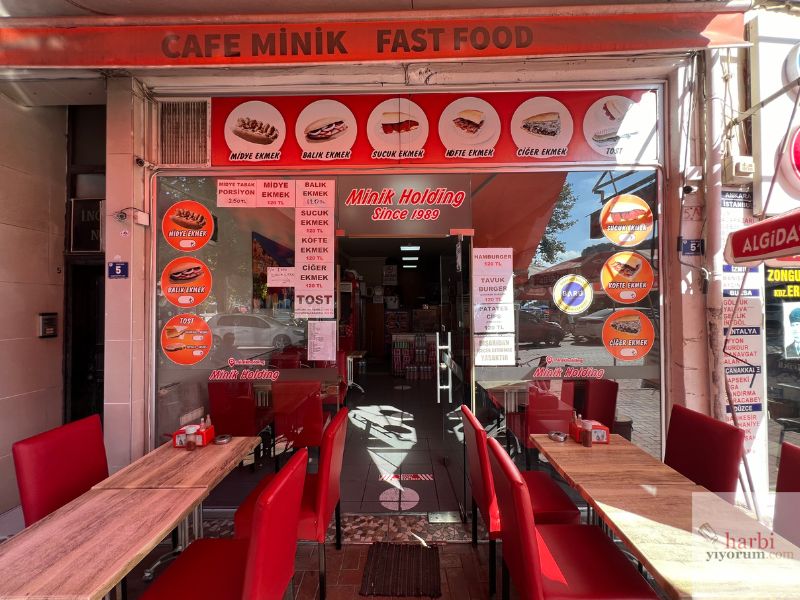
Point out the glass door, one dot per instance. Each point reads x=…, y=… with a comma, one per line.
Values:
x=453, y=360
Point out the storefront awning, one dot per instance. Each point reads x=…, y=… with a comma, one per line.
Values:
x=187, y=41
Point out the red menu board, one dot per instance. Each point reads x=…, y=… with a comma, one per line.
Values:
x=436, y=129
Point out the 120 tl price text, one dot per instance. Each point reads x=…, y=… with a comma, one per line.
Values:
x=403, y=214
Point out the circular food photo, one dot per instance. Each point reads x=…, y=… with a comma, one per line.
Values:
x=542, y=123
x=613, y=126
x=187, y=225
x=255, y=126
x=469, y=123
x=186, y=282
x=186, y=339
x=326, y=126
x=627, y=277
x=397, y=124
x=628, y=334
x=626, y=220
x=573, y=294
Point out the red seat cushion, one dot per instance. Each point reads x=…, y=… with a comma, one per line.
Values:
x=787, y=499
x=55, y=467
x=208, y=568
x=556, y=561
x=705, y=450
x=580, y=561
x=243, y=518
x=550, y=503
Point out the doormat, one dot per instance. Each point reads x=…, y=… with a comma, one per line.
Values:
x=401, y=570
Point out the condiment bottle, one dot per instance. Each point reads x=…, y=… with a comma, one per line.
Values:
x=586, y=434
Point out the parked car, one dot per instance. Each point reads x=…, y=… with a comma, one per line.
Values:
x=255, y=331
x=590, y=327
x=533, y=329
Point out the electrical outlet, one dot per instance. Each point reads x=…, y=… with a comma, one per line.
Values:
x=738, y=169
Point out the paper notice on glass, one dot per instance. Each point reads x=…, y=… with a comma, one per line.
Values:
x=322, y=340
x=495, y=350
x=493, y=318
x=280, y=276
x=236, y=193
x=492, y=261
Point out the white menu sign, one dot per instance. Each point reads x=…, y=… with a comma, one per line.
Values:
x=313, y=244
x=275, y=193
x=493, y=306
x=495, y=350
x=322, y=340
x=236, y=193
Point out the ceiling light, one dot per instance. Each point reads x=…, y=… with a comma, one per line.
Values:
x=409, y=266
x=411, y=258
x=409, y=248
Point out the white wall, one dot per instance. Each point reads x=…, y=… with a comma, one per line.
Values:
x=32, y=205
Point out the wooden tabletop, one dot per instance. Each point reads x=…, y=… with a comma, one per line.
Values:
x=82, y=550
x=168, y=467
x=619, y=461
x=660, y=525
x=657, y=513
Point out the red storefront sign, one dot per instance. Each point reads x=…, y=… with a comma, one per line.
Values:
x=770, y=238
x=107, y=43
x=436, y=129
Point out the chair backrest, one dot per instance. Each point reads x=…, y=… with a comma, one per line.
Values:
x=600, y=403
x=331, y=455
x=517, y=529
x=285, y=361
x=705, y=450
x=232, y=405
x=55, y=467
x=298, y=411
x=787, y=501
x=480, y=473
x=273, y=543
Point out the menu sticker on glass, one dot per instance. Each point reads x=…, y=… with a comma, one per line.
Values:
x=236, y=193
x=573, y=294
x=627, y=277
x=626, y=220
x=541, y=127
x=469, y=128
x=495, y=350
x=255, y=131
x=493, y=288
x=313, y=247
x=186, y=282
x=628, y=334
x=186, y=339
x=490, y=261
x=187, y=226
x=275, y=193
x=494, y=318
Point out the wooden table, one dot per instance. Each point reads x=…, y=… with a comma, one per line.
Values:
x=659, y=519
x=168, y=467
x=82, y=550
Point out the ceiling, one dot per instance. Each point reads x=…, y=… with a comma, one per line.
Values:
x=81, y=8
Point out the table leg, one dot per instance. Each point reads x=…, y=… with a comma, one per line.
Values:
x=183, y=539
x=350, y=379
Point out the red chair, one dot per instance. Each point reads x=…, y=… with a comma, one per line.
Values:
x=234, y=409
x=260, y=568
x=550, y=503
x=787, y=499
x=600, y=403
x=320, y=496
x=297, y=408
x=705, y=450
x=55, y=467
x=555, y=561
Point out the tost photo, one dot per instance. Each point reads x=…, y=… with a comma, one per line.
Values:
x=791, y=330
